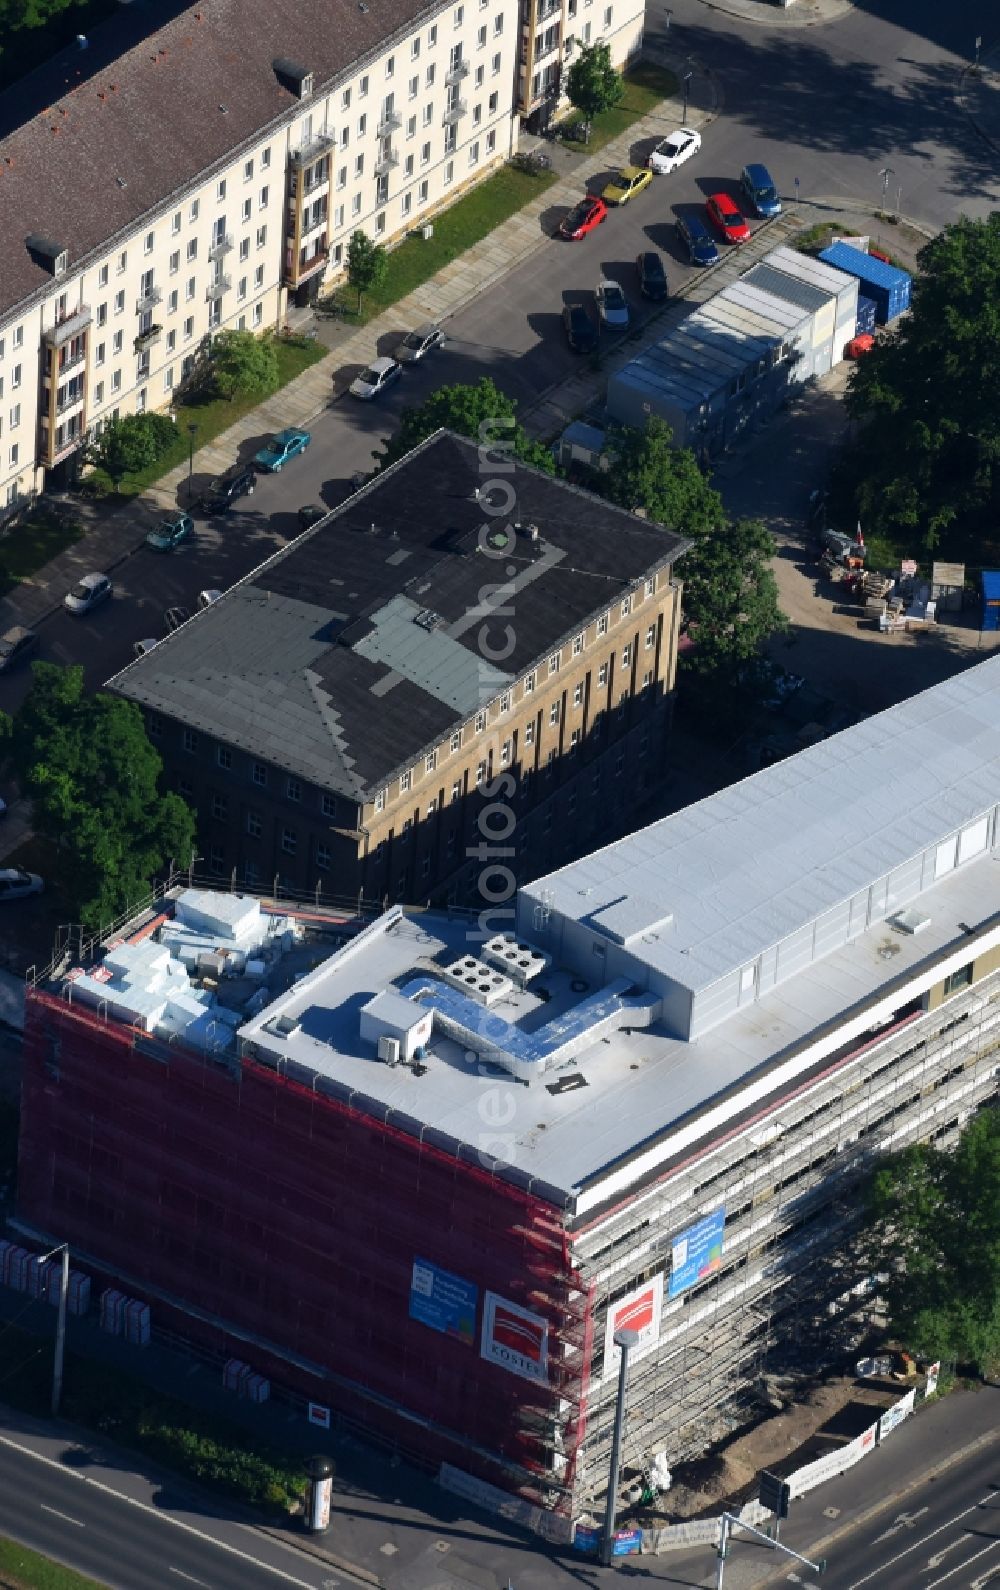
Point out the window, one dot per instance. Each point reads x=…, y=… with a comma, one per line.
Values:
x=413, y=87
x=192, y=249
x=647, y=679
x=422, y=192
x=496, y=65
x=116, y=381
x=224, y=756
x=480, y=75
x=626, y=606
x=247, y=210
x=189, y=290
x=175, y=262
x=554, y=712
x=220, y=190
x=650, y=585
x=578, y=696
x=505, y=754
x=651, y=637
x=116, y=342
x=529, y=684
x=390, y=66
x=102, y=278
x=456, y=740
x=148, y=242
x=602, y=677
x=430, y=762
x=574, y=741
x=415, y=49
x=474, y=153
x=345, y=99
x=289, y=841
x=477, y=115
x=363, y=87
x=607, y=18
x=102, y=314
x=404, y=782
x=425, y=155
x=480, y=722
x=293, y=789
x=554, y=664
x=244, y=249
x=362, y=126
x=193, y=211
x=121, y=264
x=261, y=236
x=411, y=127
x=171, y=341
x=99, y=393
x=342, y=177
x=432, y=36
x=15, y=454
x=356, y=204
x=328, y=805
x=168, y=379
x=480, y=774
x=456, y=791
x=119, y=303
x=259, y=774
x=258, y=278
x=498, y=24
x=481, y=38
x=241, y=288
x=323, y=857
x=189, y=328
x=429, y=76
x=359, y=166
x=265, y=159
x=189, y=740
x=432, y=807
x=529, y=734
x=494, y=103
x=380, y=801
x=505, y=701
x=459, y=16
x=577, y=645
x=220, y=808
x=960, y=979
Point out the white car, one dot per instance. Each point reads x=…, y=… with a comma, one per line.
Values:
x=379, y=374
x=612, y=305
x=206, y=598
x=672, y=151
x=91, y=591
x=15, y=883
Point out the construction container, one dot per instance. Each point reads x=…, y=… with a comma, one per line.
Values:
x=256, y=1388
x=137, y=1322
x=991, y=598
x=887, y=285
x=113, y=1305
x=867, y=315
x=78, y=1301
x=837, y=284
x=234, y=1374
x=6, y=1249
x=17, y=1269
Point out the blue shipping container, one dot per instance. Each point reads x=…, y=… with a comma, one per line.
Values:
x=866, y=315
x=888, y=286
x=991, y=598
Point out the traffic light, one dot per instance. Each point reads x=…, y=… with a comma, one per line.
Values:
x=775, y=1494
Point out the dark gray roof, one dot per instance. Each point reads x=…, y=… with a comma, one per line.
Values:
x=360, y=645
x=793, y=291
x=101, y=137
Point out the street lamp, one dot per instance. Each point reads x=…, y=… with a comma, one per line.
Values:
x=885, y=174
x=624, y=1340
x=192, y=433
x=686, y=80
x=669, y=18
x=57, y=1362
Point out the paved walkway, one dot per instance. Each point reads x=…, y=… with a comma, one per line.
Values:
x=794, y=14
x=979, y=96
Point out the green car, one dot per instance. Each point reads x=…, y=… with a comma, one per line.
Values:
x=169, y=533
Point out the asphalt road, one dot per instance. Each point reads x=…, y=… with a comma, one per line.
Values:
x=130, y=1536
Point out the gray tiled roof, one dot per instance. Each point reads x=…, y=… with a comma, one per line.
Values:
x=361, y=644
x=104, y=136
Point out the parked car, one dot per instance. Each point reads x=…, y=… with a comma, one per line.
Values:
x=169, y=533
x=206, y=598
x=697, y=239
x=142, y=647
x=581, y=332
x=725, y=213
x=673, y=150
x=759, y=190
x=276, y=453
x=174, y=617
x=16, y=644
x=583, y=218
x=612, y=305
x=629, y=181
x=380, y=374
x=419, y=343
x=240, y=481
x=311, y=514
x=652, y=276
x=15, y=883
x=91, y=591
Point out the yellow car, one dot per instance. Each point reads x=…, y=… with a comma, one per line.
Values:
x=629, y=181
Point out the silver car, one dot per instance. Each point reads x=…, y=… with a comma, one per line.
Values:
x=375, y=378
x=419, y=343
x=612, y=305
x=88, y=594
x=15, y=883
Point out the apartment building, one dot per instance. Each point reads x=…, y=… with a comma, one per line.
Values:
x=445, y=639
x=552, y=31
x=210, y=175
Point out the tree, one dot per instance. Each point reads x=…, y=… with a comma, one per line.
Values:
x=925, y=464
x=131, y=444
x=933, y=1226
x=592, y=84
x=367, y=264
x=91, y=774
x=472, y=411
x=243, y=363
x=647, y=472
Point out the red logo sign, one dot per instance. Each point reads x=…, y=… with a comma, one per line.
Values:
x=520, y=1334
x=637, y=1313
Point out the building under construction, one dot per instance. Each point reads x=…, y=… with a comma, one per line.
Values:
x=419, y=1170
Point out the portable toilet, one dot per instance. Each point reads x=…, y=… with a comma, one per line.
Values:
x=991, y=598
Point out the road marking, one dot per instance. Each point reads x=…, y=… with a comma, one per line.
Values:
x=989, y=1577
x=939, y=1556
x=154, y=1512
x=190, y=1578
x=990, y=1496
x=65, y=1516
x=963, y=1565
x=901, y=1521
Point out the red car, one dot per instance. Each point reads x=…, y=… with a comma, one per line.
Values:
x=584, y=218
x=725, y=215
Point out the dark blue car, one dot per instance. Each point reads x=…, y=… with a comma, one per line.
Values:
x=758, y=189
x=697, y=239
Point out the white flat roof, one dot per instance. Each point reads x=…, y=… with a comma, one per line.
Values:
x=712, y=887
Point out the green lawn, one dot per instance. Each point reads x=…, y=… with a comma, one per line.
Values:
x=32, y=544
x=21, y=1569
x=645, y=86
x=210, y=416
x=467, y=221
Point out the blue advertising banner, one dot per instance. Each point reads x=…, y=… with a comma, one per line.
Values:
x=697, y=1252
x=586, y=1537
x=443, y=1301
x=626, y=1542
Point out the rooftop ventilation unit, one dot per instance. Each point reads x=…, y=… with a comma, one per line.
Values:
x=388, y=1050
x=53, y=257
x=282, y=1026
x=909, y=921
x=427, y=619
x=517, y=959
x=478, y=980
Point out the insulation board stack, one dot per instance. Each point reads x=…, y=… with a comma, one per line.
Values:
x=234, y=1374
x=17, y=1269
x=113, y=1305
x=256, y=1388
x=6, y=1249
x=137, y=1322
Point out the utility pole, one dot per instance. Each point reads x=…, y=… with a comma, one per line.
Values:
x=57, y=1363
x=624, y=1340
x=885, y=174
x=729, y=1522
x=686, y=80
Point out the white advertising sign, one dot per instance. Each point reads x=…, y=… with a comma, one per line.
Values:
x=515, y=1339
x=639, y=1311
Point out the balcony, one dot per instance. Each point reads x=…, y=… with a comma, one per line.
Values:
x=307, y=153
x=147, y=301
x=456, y=110
x=390, y=123
x=314, y=223
x=66, y=365
x=314, y=263
x=221, y=245
x=544, y=48
x=548, y=8
x=70, y=325
x=216, y=289
x=387, y=163
x=146, y=338
x=70, y=400
x=457, y=73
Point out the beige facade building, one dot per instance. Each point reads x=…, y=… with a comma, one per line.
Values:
x=158, y=187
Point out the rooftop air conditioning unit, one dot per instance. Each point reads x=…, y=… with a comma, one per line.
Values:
x=388, y=1050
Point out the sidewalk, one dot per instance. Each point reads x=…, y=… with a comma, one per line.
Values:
x=796, y=14
x=978, y=95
